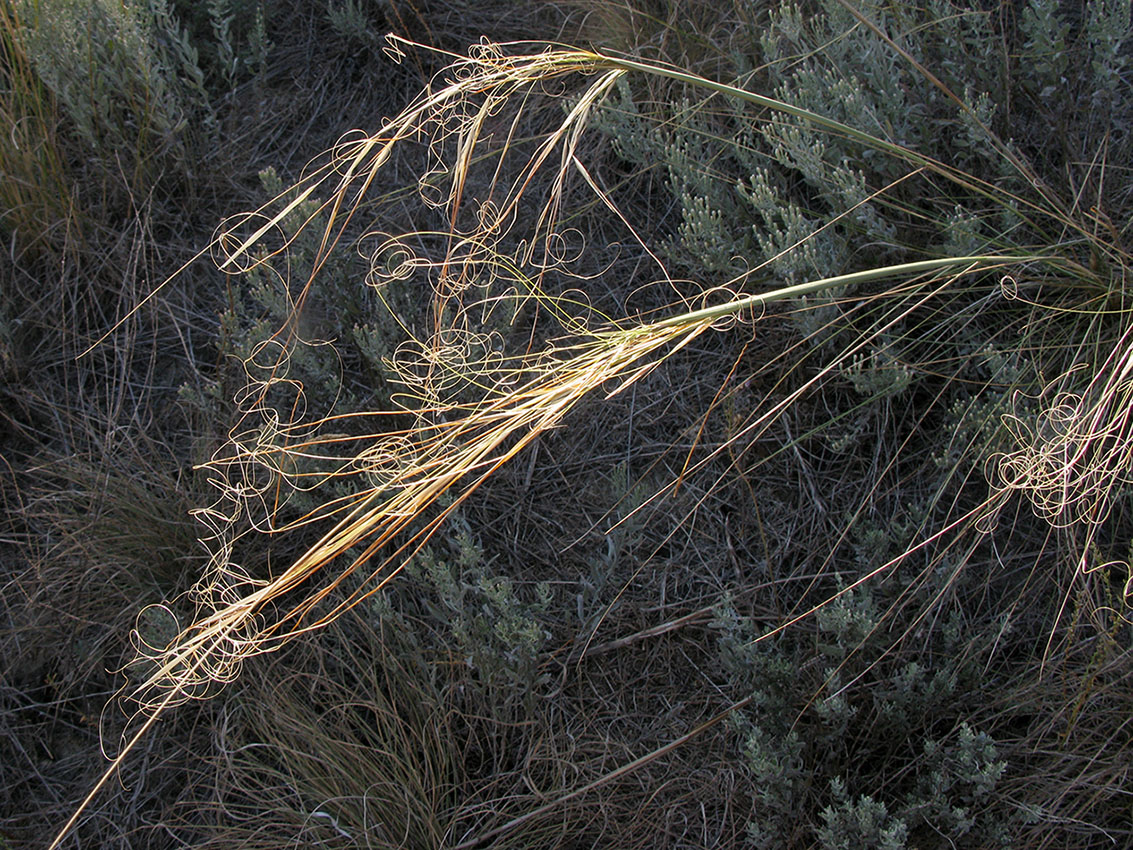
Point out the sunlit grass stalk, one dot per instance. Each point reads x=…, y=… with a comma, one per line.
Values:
x=449, y=455
x=443, y=459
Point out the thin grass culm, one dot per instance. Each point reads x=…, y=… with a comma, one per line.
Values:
x=507, y=333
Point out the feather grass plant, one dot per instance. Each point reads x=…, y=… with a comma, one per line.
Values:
x=420, y=465
x=474, y=405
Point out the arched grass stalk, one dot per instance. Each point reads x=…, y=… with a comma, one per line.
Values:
x=420, y=467
x=416, y=476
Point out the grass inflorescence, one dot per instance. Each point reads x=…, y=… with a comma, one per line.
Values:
x=734, y=417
